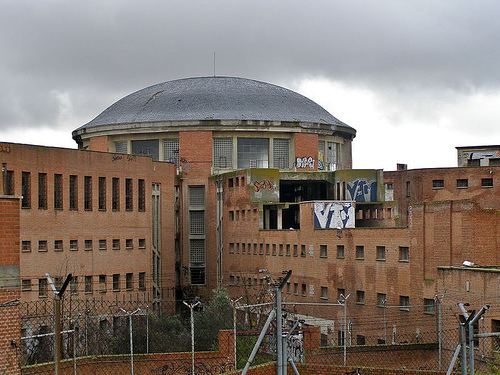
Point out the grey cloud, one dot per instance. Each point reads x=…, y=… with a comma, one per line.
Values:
x=96, y=51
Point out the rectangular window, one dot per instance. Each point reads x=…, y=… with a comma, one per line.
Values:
x=380, y=252
x=404, y=303
x=102, y=245
x=302, y=250
x=253, y=153
x=487, y=182
x=429, y=306
x=58, y=191
x=147, y=147
x=87, y=193
x=42, y=245
x=360, y=252
x=171, y=150
x=73, y=285
x=360, y=340
x=287, y=250
x=116, y=282
x=73, y=192
x=341, y=294
x=268, y=249
x=42, y=288
x=26, y=246
x=437, y=184
x=129, y=281
x=381, y=299
x=42, y=191
x=280, y=252
x=73, y=245
x=323, y=251
x=408, y=189
x=115, y=194
x=88, y=245
x=26, y=190
x=129, y=191
x=360, y=297
x=9, y=183
x=121, y=147
x=281, y=153
x=142, y=243
x=58, y=245
x=129, y=244
x=116, y=244
x=295, y=250
x=88, y=284
x=142, y=280
x=462, y=183
x=25, y=285
x=261, y=249
x=197, y=222
x=304, y=290
x=141, y=192
x=404, y=254
x=324, y=292
x=223, y=153
x=102, y=193
x=340, y=252
x=102, y=283
x=296, y=288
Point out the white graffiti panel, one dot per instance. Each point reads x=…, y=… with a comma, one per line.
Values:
x=334, y=215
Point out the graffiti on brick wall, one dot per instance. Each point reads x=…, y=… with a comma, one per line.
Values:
x=361, y=190
x=305, y=162
x=334, y=215
x=264, y=185
x=4, y=148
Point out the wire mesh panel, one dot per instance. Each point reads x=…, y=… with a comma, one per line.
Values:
x=121, y=147
x=223, y=153
x=171, y=150
x=281, y=153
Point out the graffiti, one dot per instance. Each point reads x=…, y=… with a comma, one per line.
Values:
x=5, y=148
x=362, y=190
x=305, y=162
x=410, y=216
x=264, y=185
x=321, y=166
x=296, y=348
x=117, y=157
x=333, y=215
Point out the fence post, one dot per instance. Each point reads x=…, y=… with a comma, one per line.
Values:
x=440, y=331
x=233, y=303
x=131, y=337
x=191, y=307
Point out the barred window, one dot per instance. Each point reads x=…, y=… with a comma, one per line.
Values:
x=142, y=280
x=129, y=191
x=141, y=192
x=42, y=191
x=171, y=150
x=223, y=152
x=116, y=282
x=9, y=183
x=129, y=281
x=196, y=196
x=253, y=153
x=73, y=192
x=87, y=193
x=197, y=251
x=26, y=192
x=115, y=194
x=197, y=222
x=281, y=153
x=58, y=191
x=88, y=284
x=102, y=193
x=121, y=147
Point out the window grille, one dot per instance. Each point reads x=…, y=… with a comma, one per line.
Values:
x=42, y=191
x=58, y=191
x=223, y=152
x=26, y=190
x=253, y=153
x=197, y=251
x=141, y=192
x=197, y=222
x=121, y=147
x=197, y=196
x=171, y=150
x=87, y=193
x=73, y=192
x=281, y=153
x=128, y=194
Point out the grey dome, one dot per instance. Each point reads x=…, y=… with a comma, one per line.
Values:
x=214, y=98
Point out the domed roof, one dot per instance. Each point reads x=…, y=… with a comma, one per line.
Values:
x=214, y=98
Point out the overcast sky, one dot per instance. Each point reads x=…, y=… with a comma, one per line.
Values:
x=415, y=78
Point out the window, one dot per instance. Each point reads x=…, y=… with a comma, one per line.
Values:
x=304, y=290
x=230, y=183
x=73, y=192
x=429, y=306
x=231, y=248
x=102, y=193
x=58, y=191
x=223, y=153
x=404, y=254
x=73, y=245
x=302, y=250
x=115, y=194
x=324, y=292
x=102, y=245
x=102, y=283
x=129, y=244
x=87, y=193
x=129, y=191
x=287, y=250
x=26, y=190
x=323, y=251
x=281, y=153
x=487, y=182
x=381, y=299
x=147, y=147
x=360, y=340
x=25, y=285
x=42, y=245
x=408, y=190
x=473, y=162
x=197, y=222
x=296, y=288
x=121, y=147
x=58, y=245
x=340, y=251
x=116, y=282
x=9, y=183
x=274, y=249
x=142, y=280
x=141, y=192
x=73, y=285
x=360, y=252
x=42, y=191
x=129, y=281
x=231, y=215
x=380, y=252
x=142, y=243
x=197, y=256
x=88, y=245
x=171, y=150
x=26, y=246
x=42, y=288
x=88, y=284
x=462, y=183
x=437, y=184
x=360, y=297
x=253, y=153
x=280, y=251
x=261, y=249
x=116, y=244
x=341, y=294
x=404, y=303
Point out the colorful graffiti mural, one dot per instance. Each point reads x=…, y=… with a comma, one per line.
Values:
x=264, y=184
x=334, y=215
x=361, y=190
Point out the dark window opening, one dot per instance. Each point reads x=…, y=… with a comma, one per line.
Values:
x=102, y=193
x=26, y=190
x=197, y=275
x=87, y=193
x=360, y=340
x=73, y=192
x=487, y=182
x=141, y=190
x=58, y=191
x=462, y=183
x=42, y=191
x=437, y=184
x=9, y=183
x=271, y=217
x=291, y=217
x=115, y=200
x=305, y=190
x=149, y=147
x=129, y=203
x=473, y=162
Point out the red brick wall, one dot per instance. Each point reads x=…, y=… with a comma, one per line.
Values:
x=306, y=145
x=10, y=323
x=98, y=143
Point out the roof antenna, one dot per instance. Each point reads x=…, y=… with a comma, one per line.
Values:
x=214, y=63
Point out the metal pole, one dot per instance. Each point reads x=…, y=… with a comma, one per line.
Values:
x=74, y=350
x=233, y=303
x=131, y=345
x=440, y=333
x=294, y=368
x=471, y=336
x=463, y=344
x=147, y=329
x=270, y=318
x=57, y=334
x=285, y=353
x=191, y=307
x=385, y=322
x=345, y=332
x=279, y=332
